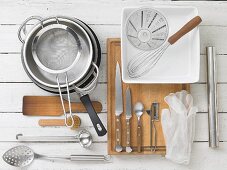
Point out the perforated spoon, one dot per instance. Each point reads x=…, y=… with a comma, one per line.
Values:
x=21, y=156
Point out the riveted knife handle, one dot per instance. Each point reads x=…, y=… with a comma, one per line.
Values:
x=118, y=146
x=139, y=138
x=128, y=132
x=128, y=143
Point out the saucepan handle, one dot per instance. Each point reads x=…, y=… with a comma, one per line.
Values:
x=99, y=127
x=89, y=88
x=22, y=28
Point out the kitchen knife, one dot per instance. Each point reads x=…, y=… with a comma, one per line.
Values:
x=128, y=117
x=118, y=107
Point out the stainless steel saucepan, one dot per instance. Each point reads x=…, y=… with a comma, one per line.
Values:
x=81, y=77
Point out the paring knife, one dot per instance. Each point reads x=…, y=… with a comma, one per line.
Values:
x=118, y=107
x=128, y=117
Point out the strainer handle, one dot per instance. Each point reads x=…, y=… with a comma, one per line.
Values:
x=69, y=101
x=22, y=28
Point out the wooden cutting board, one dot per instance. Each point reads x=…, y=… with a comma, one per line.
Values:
x=145, y=93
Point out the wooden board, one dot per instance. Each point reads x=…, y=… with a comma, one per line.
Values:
x=51, y=106
x=145, y=93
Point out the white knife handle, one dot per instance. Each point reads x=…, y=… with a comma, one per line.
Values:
x=118, y=146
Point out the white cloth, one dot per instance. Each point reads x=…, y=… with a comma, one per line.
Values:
x=178, y=125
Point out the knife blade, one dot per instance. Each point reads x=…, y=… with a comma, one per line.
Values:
x=118, y=107
x=128, y=104
x=128, y=117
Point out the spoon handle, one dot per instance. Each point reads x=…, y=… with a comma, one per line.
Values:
x=106, y=158
x=22, y=138
x=139, y=137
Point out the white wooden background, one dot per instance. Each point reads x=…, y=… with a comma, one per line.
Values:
x=104, y=17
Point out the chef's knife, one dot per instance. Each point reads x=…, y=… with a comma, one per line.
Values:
x=118, y=107
x=128, y=117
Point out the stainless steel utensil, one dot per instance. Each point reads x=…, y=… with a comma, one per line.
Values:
x=83, y=60
x=146, y=29
x=154, y=111
x=118, y=107
x=84, y=137
x=82, y=77
x=128, y=117
x=139, y=109
x=21, y=156
x=143, y=62
x=56, y=48
x=212, y=98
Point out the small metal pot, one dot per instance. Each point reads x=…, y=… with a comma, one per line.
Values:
x=82, y=85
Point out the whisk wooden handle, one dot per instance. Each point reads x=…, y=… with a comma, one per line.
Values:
x=185, y=29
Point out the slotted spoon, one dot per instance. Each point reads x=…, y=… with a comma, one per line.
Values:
x=21, y=156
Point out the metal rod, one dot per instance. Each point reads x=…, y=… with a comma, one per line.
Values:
x=22, y=138
x=212, y=98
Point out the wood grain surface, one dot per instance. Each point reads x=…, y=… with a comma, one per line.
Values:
x=145, y=93
x=104, y=17
x=51, y=106
x=60, y=122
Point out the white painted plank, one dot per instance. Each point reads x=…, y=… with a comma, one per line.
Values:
x=213, y=36
x=99, y=11
x=16, y=123
x=12, y=95
x=210, y=36
x=13, y=71
x=10, y=43
x=199, y=92
x=201, y=133
x=202, y=158
x=103, y=12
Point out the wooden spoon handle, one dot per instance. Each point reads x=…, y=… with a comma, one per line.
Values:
x=185, y=29
x=139, y=138
x=51, y=122
x=59, y=122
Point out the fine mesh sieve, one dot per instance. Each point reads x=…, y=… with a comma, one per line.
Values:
x=56, y=48
x=82, y=78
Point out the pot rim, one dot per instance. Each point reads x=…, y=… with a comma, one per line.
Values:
x=30, y=35
x=89, y=75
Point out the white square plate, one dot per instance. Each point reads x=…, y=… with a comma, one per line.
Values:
x=181, y=61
